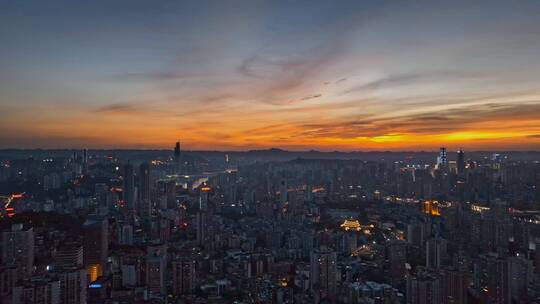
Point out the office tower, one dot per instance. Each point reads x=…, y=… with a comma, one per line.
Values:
x=177, y=165
x=129, y=186
x=52, y=181
x=323, y=273
x=460, y=162
x=203, y=199
x=156, y=262
x=200, y=222
x=69, y=254
x=442, y=160
x=18, y=249
x=435, y=252
x=204, y=191
x=144, y=189
x=73, y=284
x=183, y=276
x=95, y=246
x=177, y=152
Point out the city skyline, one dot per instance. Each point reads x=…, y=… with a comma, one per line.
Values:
x=358, y=76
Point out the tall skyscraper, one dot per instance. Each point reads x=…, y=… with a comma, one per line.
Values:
x=156, y=262
x=183, y=276
x=69, y=254
x=177, y=159
x=18, y=249
x=323, y=272
x=435, y=252
x=203, y=199
x=166, y=193
x=177, y=152
x=144, y=189
x=129, y=186
x=442, y=160
x=95, y=246
x=460, y=162
x=200, y=222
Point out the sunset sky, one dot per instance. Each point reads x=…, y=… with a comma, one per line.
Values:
x=235, y=75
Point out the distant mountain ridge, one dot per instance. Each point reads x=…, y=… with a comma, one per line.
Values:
x=273, y=154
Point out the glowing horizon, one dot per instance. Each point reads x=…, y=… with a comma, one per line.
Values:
x=358, y=76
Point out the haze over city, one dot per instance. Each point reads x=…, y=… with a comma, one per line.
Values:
x=298, y=75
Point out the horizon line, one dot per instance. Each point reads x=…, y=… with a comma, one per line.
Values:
x=269, y=149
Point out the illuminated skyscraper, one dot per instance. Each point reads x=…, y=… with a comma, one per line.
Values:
x=203, y=198
x=460, y=162
x=69, y=254
x=442, y=160
x=96, y=246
